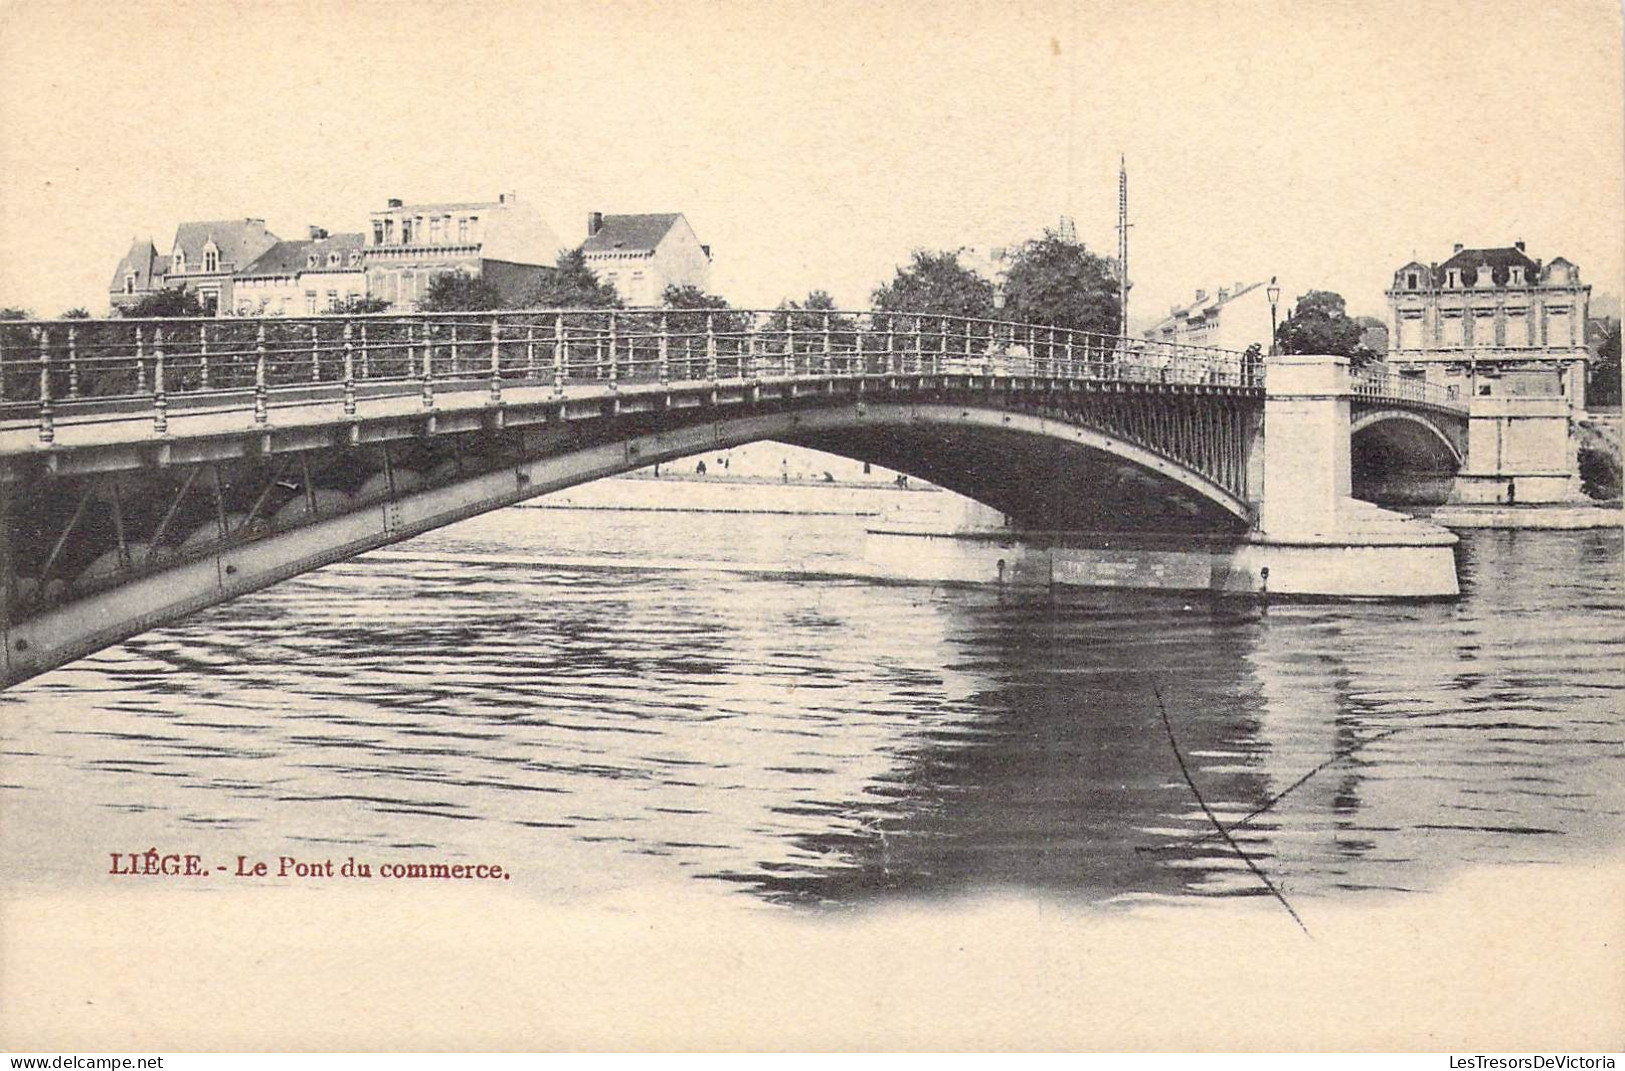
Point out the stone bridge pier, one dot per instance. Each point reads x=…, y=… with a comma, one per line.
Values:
x=1313, y=537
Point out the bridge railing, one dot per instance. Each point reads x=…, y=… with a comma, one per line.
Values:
x=1410, y=390
x=50, y=367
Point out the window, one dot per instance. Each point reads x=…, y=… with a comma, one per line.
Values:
x=377, y=232
x=332, y=299
x=437, y=230
x=462, y=229
x=310, y=302
x=1515, y=276
x=129, y=283
x=211, y=260
x=1411, y=281
x=177, y=263
x=355, y=258
x=1454, y=279
x=1454, y=330
x=334, y=259
x=389, y=232
x=312, y=261
x=406, y=232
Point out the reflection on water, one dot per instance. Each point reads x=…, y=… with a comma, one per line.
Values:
x=466, y=697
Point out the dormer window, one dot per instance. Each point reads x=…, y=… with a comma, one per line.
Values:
x=437, y=230
x=1515, y=275
x=177, y=262
x=312, y=261
x=1410, y=281
x=1453, y=279
x=129, y=283
x=355, y=257
x=211, y=260
x=333, y=260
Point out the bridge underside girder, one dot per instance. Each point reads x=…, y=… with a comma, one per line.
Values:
x=1039, y=482
x=122, y=545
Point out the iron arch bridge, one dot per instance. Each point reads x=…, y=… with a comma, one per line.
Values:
x=152, y=468
x=1409, y=438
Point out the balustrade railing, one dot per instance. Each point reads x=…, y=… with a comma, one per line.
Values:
x=1387, y=387
x=49, y=369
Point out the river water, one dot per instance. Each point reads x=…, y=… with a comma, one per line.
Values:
x=596, y=700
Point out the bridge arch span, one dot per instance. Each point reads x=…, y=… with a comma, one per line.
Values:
x=1402, y=457
x=323, y=505
x=1408, y=433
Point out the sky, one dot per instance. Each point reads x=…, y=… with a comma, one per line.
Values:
x=814, y=145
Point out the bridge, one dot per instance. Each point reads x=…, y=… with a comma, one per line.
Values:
x=152, y=468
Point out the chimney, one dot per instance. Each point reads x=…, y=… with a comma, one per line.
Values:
x=317, y=233
x=1518, y=245
x=1201, y=295
x=1459, y=247
x=507, y=198
x=595, y=223
x=1224, y=294
x=394, y=202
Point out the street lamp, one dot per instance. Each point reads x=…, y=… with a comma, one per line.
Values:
x=1273, y=292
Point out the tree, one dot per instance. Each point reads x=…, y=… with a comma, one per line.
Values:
x=1320, y=323
x=356, y=305
x=573, y=285
x=172, y=302
x=78, y=312
x=936, y=283
x=1602, y=380
x=13, y=312
x=455, y=291
x=693, y=307
x=808, y=320
x=1058, y=282
x=690, y=296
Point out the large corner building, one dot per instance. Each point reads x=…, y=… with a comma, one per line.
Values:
x=1492, y=322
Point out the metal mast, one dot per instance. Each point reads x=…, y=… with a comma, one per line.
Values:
x=1122, y=246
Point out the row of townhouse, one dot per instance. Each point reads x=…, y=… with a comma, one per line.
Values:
x=238, y=267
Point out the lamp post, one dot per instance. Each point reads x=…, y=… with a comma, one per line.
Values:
x=1273, y=292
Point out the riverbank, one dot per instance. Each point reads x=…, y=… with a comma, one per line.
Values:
x=1560, y=517
x=747, y=494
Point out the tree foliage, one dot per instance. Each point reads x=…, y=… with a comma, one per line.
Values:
x=1059, y=282
x=357, y=304
x=456, y=291
x=170, y=302
x=809, y=319
x=936, y=283
x=1602, y=380
x=692, y=309
x=574, y=285
x=1320, y=323
x=78, y=312
x=14, y=312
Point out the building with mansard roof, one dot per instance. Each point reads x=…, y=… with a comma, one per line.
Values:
x=1492, y=322
x=303, y=278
